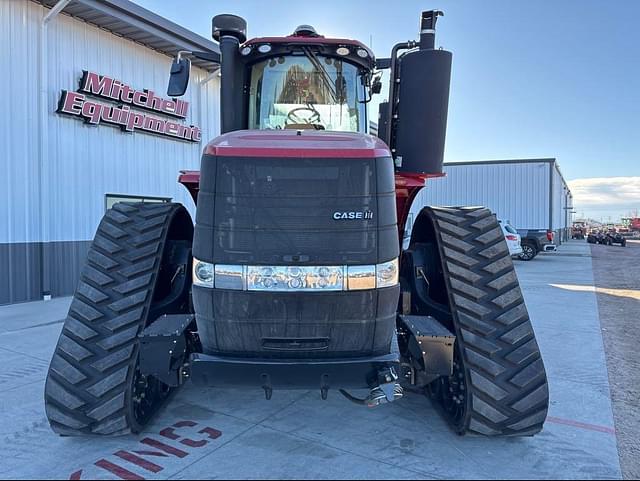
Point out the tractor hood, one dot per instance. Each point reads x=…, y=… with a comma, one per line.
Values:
x=292, y=199
x=268, y=195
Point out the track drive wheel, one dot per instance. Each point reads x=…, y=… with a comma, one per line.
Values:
x=135, y=271
x=499, y=384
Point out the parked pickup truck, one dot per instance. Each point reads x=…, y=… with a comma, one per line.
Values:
x=535, y=241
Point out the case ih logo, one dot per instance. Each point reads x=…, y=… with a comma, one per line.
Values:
x=94, y=112
x=366, y=215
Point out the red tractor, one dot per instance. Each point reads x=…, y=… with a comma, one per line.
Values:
x=578, y=230
x=293, y=276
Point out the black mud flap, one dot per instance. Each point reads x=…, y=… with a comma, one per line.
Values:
x=163, y=349
x=431, y=342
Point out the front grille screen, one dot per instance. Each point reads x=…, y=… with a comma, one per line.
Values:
x=273, y=210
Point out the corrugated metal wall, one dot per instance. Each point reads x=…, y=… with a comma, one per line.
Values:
x=516, y=191
x=19, y=175
x=562, y=204
x=56, y=170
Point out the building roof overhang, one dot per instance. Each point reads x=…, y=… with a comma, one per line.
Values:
x=129, y=20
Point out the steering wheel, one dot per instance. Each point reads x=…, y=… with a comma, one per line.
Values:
x=314, y=118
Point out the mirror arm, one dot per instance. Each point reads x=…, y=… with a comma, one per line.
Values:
x=213, y=57
x=383, y=63
x=181, y=54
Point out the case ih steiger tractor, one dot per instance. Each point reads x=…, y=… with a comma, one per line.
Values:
x=294, y=274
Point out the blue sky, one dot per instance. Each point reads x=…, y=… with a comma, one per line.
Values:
x=530, y=79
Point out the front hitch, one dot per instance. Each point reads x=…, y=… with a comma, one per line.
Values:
x=387, y=390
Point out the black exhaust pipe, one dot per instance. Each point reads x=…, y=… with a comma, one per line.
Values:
x=428, y=29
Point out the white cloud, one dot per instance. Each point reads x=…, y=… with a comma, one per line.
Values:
x=613, y=196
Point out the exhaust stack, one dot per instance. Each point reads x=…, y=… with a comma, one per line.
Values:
x=428, y=29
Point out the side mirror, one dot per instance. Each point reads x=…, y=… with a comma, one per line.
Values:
x=376, y=86
x=179, y=78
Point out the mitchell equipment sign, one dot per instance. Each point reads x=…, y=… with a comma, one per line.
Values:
x=95, y=112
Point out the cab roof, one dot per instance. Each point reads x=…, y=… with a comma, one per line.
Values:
x=310, y=40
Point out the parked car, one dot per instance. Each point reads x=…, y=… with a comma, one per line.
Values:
x=613, y=237
x=534, y=241
x=512, y=237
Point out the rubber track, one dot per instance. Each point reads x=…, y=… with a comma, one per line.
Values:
x=88, y=387
x=507, y=391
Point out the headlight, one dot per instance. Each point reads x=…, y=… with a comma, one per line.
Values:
x=361, y=277
x=387, y=274
x=229, y=277
x=295, y=278
x=202, y=273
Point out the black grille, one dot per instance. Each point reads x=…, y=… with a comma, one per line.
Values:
x=260, y=210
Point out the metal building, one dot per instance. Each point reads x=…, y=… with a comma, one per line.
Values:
x=531, y=194
x=85, y=119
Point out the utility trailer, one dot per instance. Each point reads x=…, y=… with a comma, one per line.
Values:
x=293, y=276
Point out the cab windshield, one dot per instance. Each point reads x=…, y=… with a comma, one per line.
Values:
x=307, y=92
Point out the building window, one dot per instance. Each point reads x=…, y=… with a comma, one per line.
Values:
x=110, y=199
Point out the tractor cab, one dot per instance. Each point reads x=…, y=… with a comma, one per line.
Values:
x=305, y=81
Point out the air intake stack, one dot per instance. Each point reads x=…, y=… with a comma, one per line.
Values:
x=230, y=31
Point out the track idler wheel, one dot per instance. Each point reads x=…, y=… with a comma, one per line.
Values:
x=451, y=393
